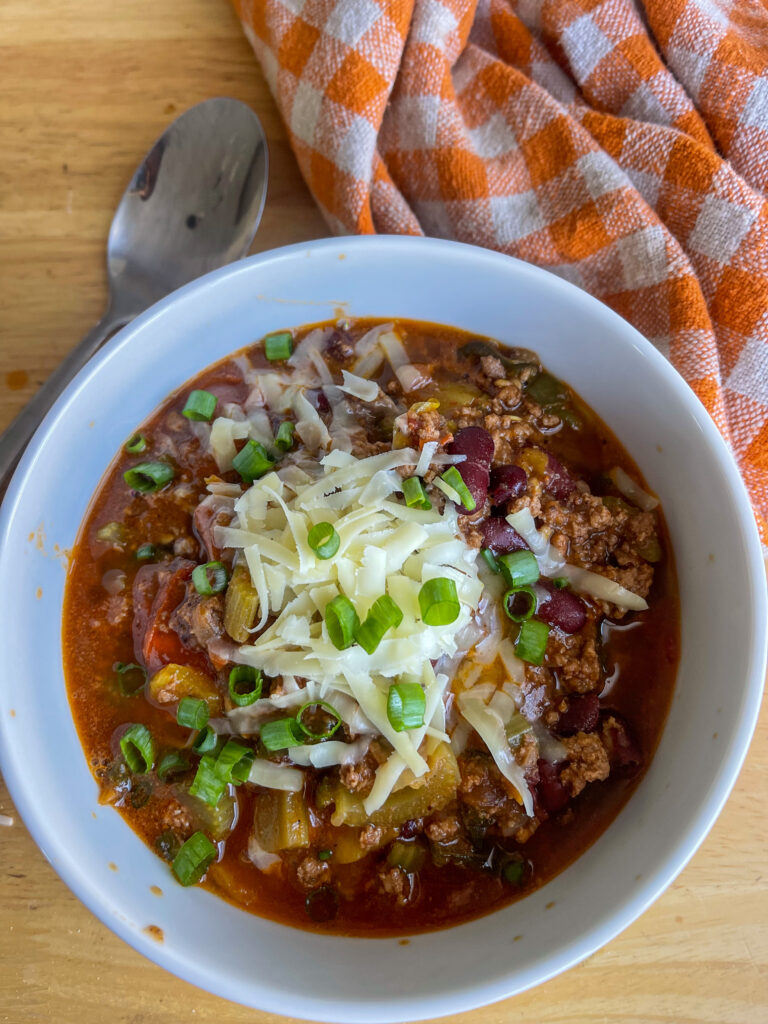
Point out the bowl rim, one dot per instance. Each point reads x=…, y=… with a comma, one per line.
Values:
x=600, y=931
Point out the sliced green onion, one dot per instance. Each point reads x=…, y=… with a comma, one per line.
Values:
x=324, y=854
x=405, y=706
x=210, y=578
x=490, y=560
x=415, y=494
x=278, y=346
x=136, y=444
x=386, y=611
x=205, y=741
x=131, y=678
x=234, y=762
x=168, y=844
x=200, y=405
x=323, y=540
x=329, y=710
x=140, y=792
x=514, y=872
x=146, y=552
x=341, y=621
x=517, y=726
x=208, y=785
x=384, y=615
x=252, y=461
x=561, y=582
x=284, y=436
x=192, y=713
x=514, y=597
x=242, y=769
x=439, y=602
x=282, y=733
x=369, y=634
x=193, y=859
x=214, y=773
x=138, y=748
x=173, y=763
x=520, y=568
x=454, y=479
x=245, y=683
x=532, y=641
x=118, y=772
x=149, y=477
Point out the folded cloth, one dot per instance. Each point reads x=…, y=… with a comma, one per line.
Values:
x=623, y=147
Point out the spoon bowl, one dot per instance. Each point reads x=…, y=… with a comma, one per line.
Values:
x=193, y=205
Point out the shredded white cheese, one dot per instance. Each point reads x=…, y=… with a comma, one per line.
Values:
x=383, y=548
x=632, y=492
x=224, y=433
x=603, y=589
x=359, y=387
x=490, y=726
x=548, y=557
x=551, y=563
x=276, y=776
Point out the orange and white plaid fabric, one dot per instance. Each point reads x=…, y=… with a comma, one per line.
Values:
x=623, y=146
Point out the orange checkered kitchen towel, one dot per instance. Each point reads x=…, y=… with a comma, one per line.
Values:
x=622, y=145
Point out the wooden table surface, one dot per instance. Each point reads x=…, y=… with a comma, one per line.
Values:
x=84, y=90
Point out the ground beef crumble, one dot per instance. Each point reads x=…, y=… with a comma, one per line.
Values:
x=395, y=882
x=587, y=762
x=359, y=777
x=527, y=752
x=575, y=658
x=509, y=432
x=443, y=827
x=426, y=425
x=340, y=348
x=371, y=836
x=489, y=799
x=177, y=818
x=312, y=873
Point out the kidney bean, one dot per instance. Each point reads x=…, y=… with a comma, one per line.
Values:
x=622, y=749
x=582, y=715
x=507, y=482
x=476, y=478
x=474, y=442
x=500, y=537
x=552, y=794
x=559, y=482
x=562, y=608
x=411, y=828
x=323, y=405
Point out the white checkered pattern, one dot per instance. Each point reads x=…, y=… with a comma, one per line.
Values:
x=629, y=156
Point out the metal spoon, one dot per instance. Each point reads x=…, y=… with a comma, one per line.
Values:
x=193, y=205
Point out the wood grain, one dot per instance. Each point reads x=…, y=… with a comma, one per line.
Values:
x=84, y=90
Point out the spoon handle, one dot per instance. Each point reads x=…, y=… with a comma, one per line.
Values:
x=15, y=439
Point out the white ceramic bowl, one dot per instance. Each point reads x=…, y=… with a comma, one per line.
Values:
x=270, y=966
